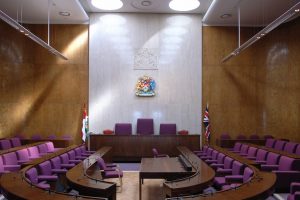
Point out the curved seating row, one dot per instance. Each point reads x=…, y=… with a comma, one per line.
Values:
x=9, y=143
x=282, y=145
x=285, y=166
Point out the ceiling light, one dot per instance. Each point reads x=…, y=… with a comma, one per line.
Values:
x=297, y=10
x=107, y=4
x=184, y=5
x=225, y=16
x=64, y=13
x=146, y=3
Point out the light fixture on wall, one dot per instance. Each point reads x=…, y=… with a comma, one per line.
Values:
x=184, y=5
x=29, y=34
x=292, y=12
x=107, y=4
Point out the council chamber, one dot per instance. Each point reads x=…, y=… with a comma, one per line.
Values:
x=150, y=99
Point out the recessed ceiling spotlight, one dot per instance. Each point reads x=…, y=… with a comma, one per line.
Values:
x=184, y=5
x=146, y=3
x=297, y=10
x=225, y=16
x=64, y=13
x=262, y=34
x=107, y=4
x=258, y=37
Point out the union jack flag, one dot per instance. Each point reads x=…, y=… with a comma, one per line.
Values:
x=206, y=124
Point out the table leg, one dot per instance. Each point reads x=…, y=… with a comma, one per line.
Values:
x=140, y=187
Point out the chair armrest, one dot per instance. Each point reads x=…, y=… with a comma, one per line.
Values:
x=68, y=165
x=297, y=195
x=59, y=171
x=261, y=162
x=211, y=161
x=234, y=179
x=251, y=157
x=269, y=167
x=47, y=177
x=243, y=154
x=162, y=155
x=216, y=165
x=295, y=187
x=223, y=172
x=111, y=165
x=12, y=167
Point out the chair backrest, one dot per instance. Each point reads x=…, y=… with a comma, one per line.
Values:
x=5, y=144
x=64, y=158
x=205, y=148
x=237, y=168
x=50, y=146
x=248, y=173
x=36, y=137
x=214, y=155
x=71, y=154
x=241, y=137
x=209, y=151
x=220, y=158
x=253, y=137
x=270, y=142
x=261, y=155
x=123, y=129
x=297, y=151
x=1, y=165
x=45, y=168
x=83, y=149
x=101, y=164
x=33, y=151
x=16, y=142
x=167, y=129
x=52, y=137
x=42, y=148
x=228, y=162
x=56, y=163
x=155, y=152
x=244, y=148
x=237, y=146
x=23, y=155
x=145, y=126
x=10, y=158
x=279, y=145
x=66, y=137
x=290, y=147
x=32, y=175
x=225, y=136
x=272, y=158
x=78, y=151
x=252, y=151
x=286, y=163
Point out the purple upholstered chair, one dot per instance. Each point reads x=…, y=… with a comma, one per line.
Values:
x=46, y=173
x=32, y=176
x=237, y=169
x=52, y=137
x=16, y=142
x=85, y=152
x=5, y=144
x=51, y=148
x=123, y=129
x=279, y=145
x=219, y=163
x=268, y=136
x=241, y=137
x=225, y=169
x=213, y=158
x=202, y=152
x=10, y=161
x=297, y=151
x=22, y=156
x=78, y=154
x=285, y=164
x=208, y=155
x=270, y=142
x=43, y=149
x=109, y=172
x=294, y=191
x=66, y=137
x=145, y=127
x=254, y=137
x=236, y=148
x=244, y=150
x=251, y=153
x=33, y=152
x=156, y=155
x=65, y=162
x=260, y=156
x=225, y=136
x=272, y=159
x=233, y=181
x=167, y=129
x=2, y=169
x=72, y=157
x=36, y=137
x=56, y=166
x=290, y=147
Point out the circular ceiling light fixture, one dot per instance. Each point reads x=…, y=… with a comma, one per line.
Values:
x=65, y=13
x=107, y=4
x=146, y=3
x=184, y=5
x=225, y=16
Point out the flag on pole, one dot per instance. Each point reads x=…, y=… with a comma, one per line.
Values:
x=85, y=125
x=206, y=124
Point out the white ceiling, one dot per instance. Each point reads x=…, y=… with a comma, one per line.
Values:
x=253, y=12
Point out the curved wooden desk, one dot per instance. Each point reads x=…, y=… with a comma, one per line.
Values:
x=259, y=187
x=193, y=184
x=86, y=178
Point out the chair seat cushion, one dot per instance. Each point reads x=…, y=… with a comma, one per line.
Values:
x=113, y=174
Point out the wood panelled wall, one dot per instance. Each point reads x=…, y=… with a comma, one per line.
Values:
x=257, y=91
x=39, y=92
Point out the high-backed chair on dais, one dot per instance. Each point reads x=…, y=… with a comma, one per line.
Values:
x=167, y=129
x=145, y=127
x=123, y=129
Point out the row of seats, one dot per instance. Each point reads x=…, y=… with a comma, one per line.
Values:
x=226, y=136
x=230, y=173
x=286, y=168
x=145, y=127
x=9, y=143
x=282, y=145
x=49, y=137
x=48, y=171
x=12, y=161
